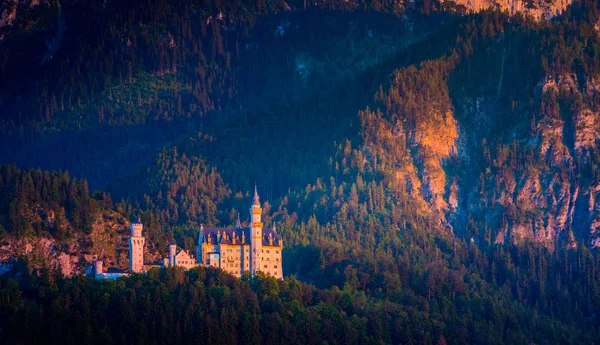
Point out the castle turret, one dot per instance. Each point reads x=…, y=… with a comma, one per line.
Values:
x=136, y=247
x=172, y=252
x=238, y=224
x=256, y=234
x=136, y=228
x=199, y=251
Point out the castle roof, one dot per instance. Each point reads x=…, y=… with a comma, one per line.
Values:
x=183, y=254
x=226, y=236
x=180, y=253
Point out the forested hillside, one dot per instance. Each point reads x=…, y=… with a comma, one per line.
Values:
x=134, y=109
x=432, y=168
x=54, y=222
x=211, y=307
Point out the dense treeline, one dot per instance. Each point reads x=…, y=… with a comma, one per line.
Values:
x=211, y=307
x=42, y=203
x=310, y=59
x=132, y=62
x=117, y=42
x=519, y=146
x=421, y=279
x=356, y=236
x=369, y=228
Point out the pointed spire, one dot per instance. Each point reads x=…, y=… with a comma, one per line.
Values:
x=256, y=200
x=274, y=228
x=238, y=224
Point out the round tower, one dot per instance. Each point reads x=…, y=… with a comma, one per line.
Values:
x=199, y=250
x=172, y=253
x=136, y=247
x=256, y=234
x=136, y=228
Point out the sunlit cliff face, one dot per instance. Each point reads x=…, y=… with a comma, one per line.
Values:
x=538, y=9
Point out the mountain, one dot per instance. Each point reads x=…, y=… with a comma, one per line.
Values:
x=504, y=161
x=431, y=166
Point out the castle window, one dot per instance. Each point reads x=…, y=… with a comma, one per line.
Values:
x=274, y=266
x=277, y=252
x=266, y=266
x=267, y=251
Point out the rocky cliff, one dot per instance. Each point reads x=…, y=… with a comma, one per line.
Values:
x=537, y=182
x=107, y=241
x=540, y=187
x=412, y=136
x=27, y=16
x=536, y=8
x=532, y=178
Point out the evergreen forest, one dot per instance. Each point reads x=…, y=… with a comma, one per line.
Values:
x=434, y=170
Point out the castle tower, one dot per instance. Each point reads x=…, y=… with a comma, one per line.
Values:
x=172, y=253
x=256, y=234
x=199, y=258
x=136, y=247
x=98, y=268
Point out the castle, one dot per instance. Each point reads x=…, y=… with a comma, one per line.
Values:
x=236, y=250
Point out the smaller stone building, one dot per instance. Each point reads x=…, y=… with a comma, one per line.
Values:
x=179, y=257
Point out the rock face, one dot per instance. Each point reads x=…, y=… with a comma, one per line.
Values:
x=533, y=179
x=31, y=16
x=538, y=8
x=107, y=242
x=541, y=9
x=434, y=140
x=9, y=10
x=8, y=13
x=542, y=186
x=411, y=140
